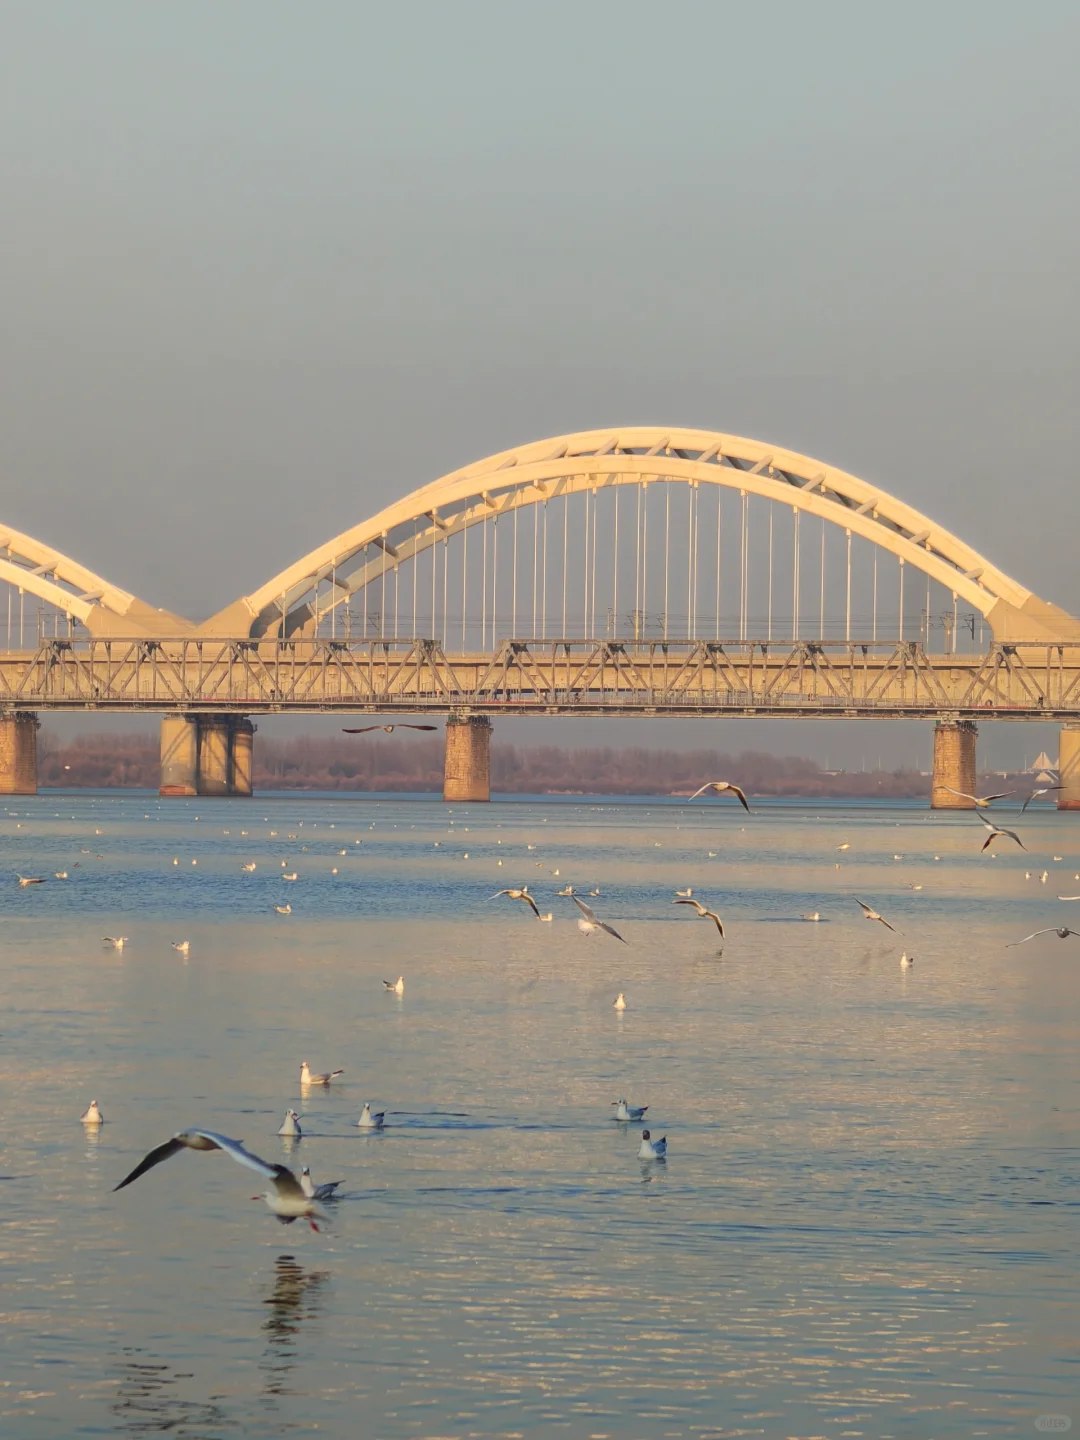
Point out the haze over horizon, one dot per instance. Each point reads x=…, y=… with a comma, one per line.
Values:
x=268, y=268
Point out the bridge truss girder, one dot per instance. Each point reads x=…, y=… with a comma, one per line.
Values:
x=836, y=679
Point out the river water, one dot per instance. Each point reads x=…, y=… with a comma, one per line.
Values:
x=866, y=1224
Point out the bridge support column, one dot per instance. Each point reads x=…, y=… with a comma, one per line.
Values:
x=213, y=775
x=467, y=763
x=954, y=764
x=1069, y=768
x=241, y=755
x=179, y=755
x=18, y=753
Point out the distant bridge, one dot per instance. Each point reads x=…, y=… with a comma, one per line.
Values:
x=619, y=572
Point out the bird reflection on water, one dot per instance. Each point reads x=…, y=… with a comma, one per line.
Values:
x=146, y=1402
x=293, y=1300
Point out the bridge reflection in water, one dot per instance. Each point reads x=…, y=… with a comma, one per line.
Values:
x=681, y=573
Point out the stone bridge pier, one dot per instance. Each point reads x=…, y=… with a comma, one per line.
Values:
x=206, y=755
x=18, y=753
x=954, y=764
x=467, y=761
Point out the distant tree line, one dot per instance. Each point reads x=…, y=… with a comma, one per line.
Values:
x=416, y=764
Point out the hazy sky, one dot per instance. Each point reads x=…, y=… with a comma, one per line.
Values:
x=267, y=266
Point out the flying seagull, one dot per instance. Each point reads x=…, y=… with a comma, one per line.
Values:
x=284, y=1196
x=869, y=913
x=1044, y=790
x=704, y=913
x=996, y=830
x=1061, y=931
x=389, y=729
x=588, y=923
x=721, y=786
x=522, y=894
x=307, y=1078
x=981, y=801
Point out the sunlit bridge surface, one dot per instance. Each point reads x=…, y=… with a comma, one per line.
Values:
x=865, y=1227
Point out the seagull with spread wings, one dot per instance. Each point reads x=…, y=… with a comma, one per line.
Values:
x=389, y=729
x=1043, y=790
x=980, y=801
x=996, y=830
x=722, y=787
x=869, y=913
x=284, y=1195
x=1061, y=931
x=588, y=924
x=522, y=894
x=703, y=913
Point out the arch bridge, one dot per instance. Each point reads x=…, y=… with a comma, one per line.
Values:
x=641, y=571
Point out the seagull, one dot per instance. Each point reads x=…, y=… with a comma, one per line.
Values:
x=181, y=946
x=548, y=917
x=1061, y=931
x=307, y=1078
x=651, y=1149
x=906, y=961
x=623, y=1111
x=685, y=894
x=370, y=1121
x=25, y=880
x=996, y=830
x=249, y=867
x=869, y=913
x=116, y=941
x=64, y=874
x=619, y=1003
x=704, y=913
x=396, y=987
x=399, y=725
x=720, y=786
x=283, y=909
x=522, y=894
x=812, y=915
x=92, y=1114
x=588, y=923
x=980, y=801
x=325, y=1191
x=845, y=846
x=1043, y=790
x=284, y=1196
x=292, y=875
x=291, y=1125
x=566, y=890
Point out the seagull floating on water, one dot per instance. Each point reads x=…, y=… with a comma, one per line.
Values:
x=323, y=1191
x=370, y=1120
x=619, y=1003
x=92, y=1114
x=116, y=941
x=588, y=923
x=285, y=1196
x=291, y=1125
x=651, y=1149
x=906, y=961
x=181, y=946
x=283, y=909
x=623, y=1111
x=395, y=987
x=25, y=880
x=307, y=1078
x=721, y=787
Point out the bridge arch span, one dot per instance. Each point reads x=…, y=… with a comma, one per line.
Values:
x=292, y=602
x=104, y=609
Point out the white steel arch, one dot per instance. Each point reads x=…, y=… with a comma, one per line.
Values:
x=31, y=566
x=593, y=460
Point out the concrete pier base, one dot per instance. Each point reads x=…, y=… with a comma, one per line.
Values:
x=1069, y=769
x=467, y=763
x=206, y=755
x=241, y=756
x=954, y=764
x=18, y=753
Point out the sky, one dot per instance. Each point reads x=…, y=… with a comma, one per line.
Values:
x=268, y=266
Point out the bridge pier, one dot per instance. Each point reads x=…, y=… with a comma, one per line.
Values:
x=1069, y=768
x=206, y=755
x=18, y=753
x=467, y=761
x=954, y=764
